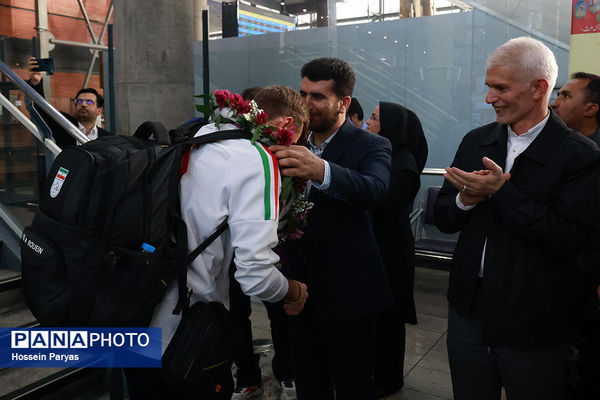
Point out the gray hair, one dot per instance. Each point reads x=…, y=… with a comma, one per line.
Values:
x=531, y=58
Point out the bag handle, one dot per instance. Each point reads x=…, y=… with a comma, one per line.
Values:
x=153, y=128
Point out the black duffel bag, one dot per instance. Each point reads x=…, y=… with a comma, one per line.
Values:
x=198, y=359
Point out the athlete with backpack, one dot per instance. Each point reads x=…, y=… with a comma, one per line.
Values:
x=237, y=181
x=110, y=231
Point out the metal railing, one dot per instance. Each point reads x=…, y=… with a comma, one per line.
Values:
x=43, y=104
x=26, y=122
x=9, y=224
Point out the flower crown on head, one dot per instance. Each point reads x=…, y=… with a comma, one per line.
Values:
x=225, y=107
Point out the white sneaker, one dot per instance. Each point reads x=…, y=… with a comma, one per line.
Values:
x=288, y=390
x=247, y=393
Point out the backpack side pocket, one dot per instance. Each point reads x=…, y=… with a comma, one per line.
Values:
x=53, y=257
x=43, y=271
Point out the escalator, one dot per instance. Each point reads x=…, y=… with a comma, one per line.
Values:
x=25, y=152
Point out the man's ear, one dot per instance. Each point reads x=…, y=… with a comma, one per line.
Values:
x=591, y=109
x=540, y=88
x=345, y=104
x=289, y=121
x=101, y=110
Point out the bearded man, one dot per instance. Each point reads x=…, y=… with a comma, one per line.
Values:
x=88, y=106
x=349, y=170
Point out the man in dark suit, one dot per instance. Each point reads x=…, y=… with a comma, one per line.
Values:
x=349, y=169
x=578, y=105
x=88, y=106
x=523, y=193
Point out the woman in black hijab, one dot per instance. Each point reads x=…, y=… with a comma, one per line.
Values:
x=395, y=238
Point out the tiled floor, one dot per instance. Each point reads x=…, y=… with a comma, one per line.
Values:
x=427, y=375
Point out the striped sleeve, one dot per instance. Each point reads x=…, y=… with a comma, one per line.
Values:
x=271, y=175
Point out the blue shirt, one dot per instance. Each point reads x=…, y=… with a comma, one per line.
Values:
x=318, y=151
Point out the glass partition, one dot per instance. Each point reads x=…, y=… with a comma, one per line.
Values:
x=433, y=65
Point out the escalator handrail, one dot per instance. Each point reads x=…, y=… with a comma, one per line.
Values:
x=26, y=122
x=13, y=224
x=43, y=104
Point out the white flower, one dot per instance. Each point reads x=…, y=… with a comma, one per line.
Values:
x=226, y=112
x=254, y=108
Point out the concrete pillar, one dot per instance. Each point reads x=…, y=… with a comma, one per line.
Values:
x=154, y=63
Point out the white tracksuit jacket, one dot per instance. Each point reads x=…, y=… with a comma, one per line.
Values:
x=239, y=181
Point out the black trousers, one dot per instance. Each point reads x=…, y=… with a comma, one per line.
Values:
x=332, y=360
x=586, y=384
x=479, y=372
x=390, y=345
x=248, y=371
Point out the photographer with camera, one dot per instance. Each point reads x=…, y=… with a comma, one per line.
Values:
x=88, y=105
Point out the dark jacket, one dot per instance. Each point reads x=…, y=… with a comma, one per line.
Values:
x=588, y=278
x=391, y=221
x=60, y=136
x=342, y=265
x=535, y=226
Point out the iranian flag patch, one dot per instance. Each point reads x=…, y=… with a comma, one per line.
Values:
x=59, y=179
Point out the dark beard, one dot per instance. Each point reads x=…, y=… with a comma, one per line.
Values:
x=87, y=117
x=326, y=122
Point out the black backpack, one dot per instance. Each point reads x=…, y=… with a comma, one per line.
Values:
x=108, y=236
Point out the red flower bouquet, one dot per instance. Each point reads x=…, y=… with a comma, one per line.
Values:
x=230, y=108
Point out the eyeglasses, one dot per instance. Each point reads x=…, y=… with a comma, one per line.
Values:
x=86, y=101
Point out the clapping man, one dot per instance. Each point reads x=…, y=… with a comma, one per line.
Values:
x=522, y=191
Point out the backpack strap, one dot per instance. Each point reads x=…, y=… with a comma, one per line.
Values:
x=184, y=260
x=219, y=135
x=187, y=130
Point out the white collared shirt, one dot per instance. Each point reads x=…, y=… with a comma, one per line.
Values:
x=515, y=145
x=93, y=133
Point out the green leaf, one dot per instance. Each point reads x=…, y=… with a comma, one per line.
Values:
x=255, y=134
x=206, y=110
x=203, y=96
x=286, y=187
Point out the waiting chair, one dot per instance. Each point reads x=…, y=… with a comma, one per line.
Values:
x=428, y=247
